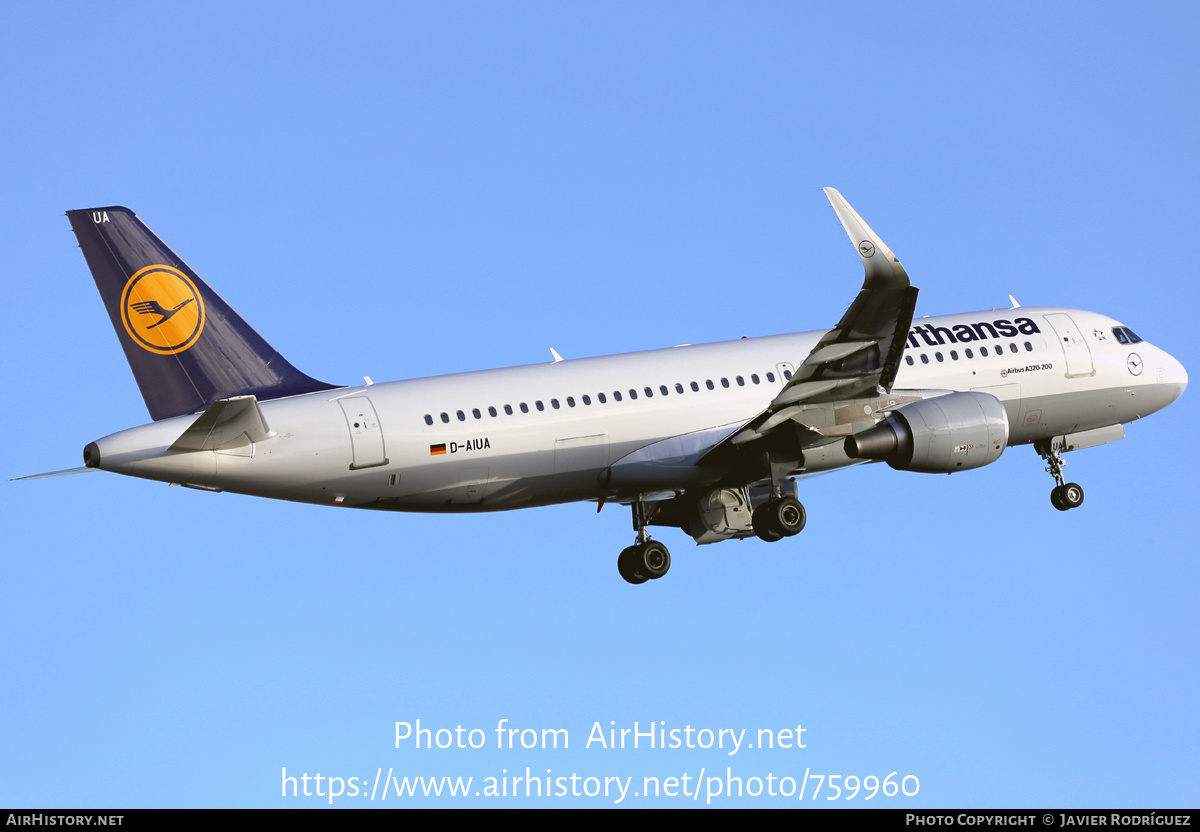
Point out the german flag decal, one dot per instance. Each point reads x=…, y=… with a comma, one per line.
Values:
x=437, y=450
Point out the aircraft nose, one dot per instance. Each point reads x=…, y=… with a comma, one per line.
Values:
x=1173, y=374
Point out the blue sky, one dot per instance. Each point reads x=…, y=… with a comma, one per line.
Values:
x=399, y=191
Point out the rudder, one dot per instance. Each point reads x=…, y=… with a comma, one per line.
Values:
x=186, y=346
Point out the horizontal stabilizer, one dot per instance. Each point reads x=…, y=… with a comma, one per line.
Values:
x=228, y=423
x=62, y=473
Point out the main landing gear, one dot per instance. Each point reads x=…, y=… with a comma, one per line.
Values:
x=1065, y=495
x=779, y=518
x=646, y=560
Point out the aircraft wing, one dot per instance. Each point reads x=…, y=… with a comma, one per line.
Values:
x=857, y=359
x=836, y=390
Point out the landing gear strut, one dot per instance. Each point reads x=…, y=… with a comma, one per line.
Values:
x=782, y=515
x=1065, y=495
x=647, y=559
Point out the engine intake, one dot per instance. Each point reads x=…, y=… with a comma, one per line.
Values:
x=955, y=432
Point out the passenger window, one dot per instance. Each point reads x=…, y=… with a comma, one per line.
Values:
x=741, y=381
x=695, y=387
x=787, y=374
x=476, y=413
x=1028, y=347
x=924, y=358
x=508, y=409
x=649, y=393
x=938, y=356
x=616, y=395
x=754, y=377
x=662, y=388
x=632, y=394
x=588, y=399
x=445, y=418
x=771, y=377
x=1012, y=347
x=708, y=383
x=554, y=403
x=678, y=387
x=428, y=419
x=492, y=412
x=538, y=404
x=908, y=358
x=983, y=351
x=970, y=354
x=725, y=382
x=570, y=401
x=601, y=397
x=524, y=407
x=462, y=417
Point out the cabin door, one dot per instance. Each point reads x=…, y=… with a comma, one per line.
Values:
x=1075, y=349
x=366, y=436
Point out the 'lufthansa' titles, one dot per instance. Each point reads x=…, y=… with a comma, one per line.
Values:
x=935, y=336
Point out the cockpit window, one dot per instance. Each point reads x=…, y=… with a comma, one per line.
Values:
x=1125, y=335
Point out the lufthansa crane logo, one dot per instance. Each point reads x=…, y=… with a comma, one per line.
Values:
x=162, y=310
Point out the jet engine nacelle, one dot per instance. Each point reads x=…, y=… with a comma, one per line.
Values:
x=955, y=432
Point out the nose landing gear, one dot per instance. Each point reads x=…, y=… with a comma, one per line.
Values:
x=1065, y=495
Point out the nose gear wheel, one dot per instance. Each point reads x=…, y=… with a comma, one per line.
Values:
x=1065, y=495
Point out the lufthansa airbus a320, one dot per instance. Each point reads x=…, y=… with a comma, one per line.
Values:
x=709, y=438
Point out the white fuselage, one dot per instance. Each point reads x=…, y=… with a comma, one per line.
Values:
x=552, y=433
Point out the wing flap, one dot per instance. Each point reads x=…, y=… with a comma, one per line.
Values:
x=832, y=352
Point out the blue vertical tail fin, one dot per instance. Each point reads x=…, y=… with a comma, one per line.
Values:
x=186, y=346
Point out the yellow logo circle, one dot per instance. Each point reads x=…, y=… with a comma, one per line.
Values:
x=162, y=310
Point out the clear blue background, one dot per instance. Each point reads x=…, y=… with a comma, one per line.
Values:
x=407, y=190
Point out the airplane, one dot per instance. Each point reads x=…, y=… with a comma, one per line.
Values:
x=710, y=438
